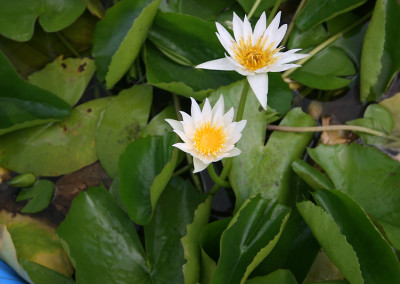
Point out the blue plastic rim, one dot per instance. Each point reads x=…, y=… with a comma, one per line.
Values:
x=8, y=275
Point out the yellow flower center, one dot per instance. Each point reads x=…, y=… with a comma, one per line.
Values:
x=253, y=57
x=209, y=140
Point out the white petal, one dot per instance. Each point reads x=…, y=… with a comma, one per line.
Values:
x=279, y=35
x=218, y=64
x=183, y=136
x=237, y=27
x=234, y=152
x=228, y=117
x=218, y=110
x=259, y=85
x=185, y=147
x=225, y=37
x=226, y=44
x=206, y=113
x=288, y=56
x=271, y=30
x=188, y=125
x=198, y=165
x=175, y=124
x=259, y=28
x=246, y=29
x=281, y=67
x=196, y=114
x=239, y=68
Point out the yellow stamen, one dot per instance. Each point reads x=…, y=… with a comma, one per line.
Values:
x=253, y=57
x=209, y=140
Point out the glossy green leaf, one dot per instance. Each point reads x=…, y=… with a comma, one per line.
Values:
x=378, y=263
x=296, y=250
x=158, y=125
x=380, y=59
x=102, y=241
x=329, y=236
x=318, y=11
x=24, y=238
x=325, y=70
x=368, y=176
x=163, y=234
x=309, y=38
x=41, y=274
x=17, y=19
x=119, y=36
x=43, y=48
x=95, y=7
x=40, y=194
x=280, y=276
x=376, y=117
x=249, y=238
x=311, y=175
x=170, y=66
x=24, y=105
x=66, y=78
x=40, y=149
x=199, y=8
x=191, y=242
x=145, y=169
x=121, y=123
x=252, y=141
x=263, y=5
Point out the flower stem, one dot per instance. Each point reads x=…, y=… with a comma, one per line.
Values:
x=181, y=170
x=331, y=128
x=216, y=178
x=253, y=9
x=273, y=12
x=291, y=25
x=223, y=176
x=325, y=44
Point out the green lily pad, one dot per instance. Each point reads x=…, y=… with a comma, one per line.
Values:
x=281, y=276
x=199, y=8
x=318, y=11
x=17, y=19
x=121, y=123
x=66, y=78
x=171, y=66
x=40, y=194
x=57, y=148
x=24, y=105
x=368, y=176
x=119, y=36
x=380, y=59
x=249, y=238
x=164, y=233
x=145, y=168
x=102, y=241
x=31, y=240
x=325, y=71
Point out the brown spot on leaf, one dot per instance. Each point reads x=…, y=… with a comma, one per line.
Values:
x=63, y=65
x=89, y=110
x=81, y=67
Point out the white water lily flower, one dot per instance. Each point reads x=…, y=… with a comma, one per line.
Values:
x=254, y=53
x=209, y=135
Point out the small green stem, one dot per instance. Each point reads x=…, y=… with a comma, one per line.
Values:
x=325, y=44
x=216, y=178
x=331, y=128
x=223, y=176
x=291, y=25
x=67, y=44
x=181, y=170
x=253, y=9
x=273, y=12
